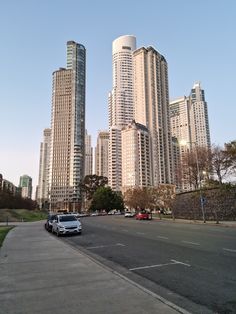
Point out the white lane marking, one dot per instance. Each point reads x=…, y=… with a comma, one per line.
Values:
x=125, y=230
x=181, y=263
x=104, y=246
x=188, y=242
x=173, y=262
x=229, y=250
x=161, y=237
x=151, y=266
x=140, y=233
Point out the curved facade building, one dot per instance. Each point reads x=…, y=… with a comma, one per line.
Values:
x=121, y=105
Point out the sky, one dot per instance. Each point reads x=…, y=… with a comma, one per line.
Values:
x=197, y=39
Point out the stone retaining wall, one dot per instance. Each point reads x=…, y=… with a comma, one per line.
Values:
x=218, y=204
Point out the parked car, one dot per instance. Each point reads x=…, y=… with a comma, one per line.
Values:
x=66, y=224
x=48, y=223
x=144, y=215
x=129, y=214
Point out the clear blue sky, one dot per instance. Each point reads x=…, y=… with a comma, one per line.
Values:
x=196, y=37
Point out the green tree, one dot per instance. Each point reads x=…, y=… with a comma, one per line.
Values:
x=91, y=183
x=106, y=199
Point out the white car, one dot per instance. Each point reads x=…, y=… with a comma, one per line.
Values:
x=129, y=214
x=66, y=224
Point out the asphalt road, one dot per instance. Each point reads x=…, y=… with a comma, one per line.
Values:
x=193, y=266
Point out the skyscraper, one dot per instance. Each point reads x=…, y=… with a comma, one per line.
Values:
x=43, y=181
x=101, y=154
x=68, y=130
x=121, y=108
x=190, y=126
x=26, y=186
x=88, y=155
x=151, y=108
x=136, y=165
x=200, y=131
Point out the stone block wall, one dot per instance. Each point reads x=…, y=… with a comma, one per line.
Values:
x=218, y=204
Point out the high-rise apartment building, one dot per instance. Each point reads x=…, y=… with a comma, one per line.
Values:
x=200, y=131
x=26, y=186
x=190, y=126
x=88, y=155
x=136, y=165
x=101, y=154
x=68, y=130
x=151, y=103
x=44, y=160
x=121, y=110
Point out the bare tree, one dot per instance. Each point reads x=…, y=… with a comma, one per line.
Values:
x=230, y=150
x=196, y=165
x=221, y=163
x=138, y=198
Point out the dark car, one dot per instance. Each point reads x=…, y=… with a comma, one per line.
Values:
x=143, y=215
x=48, y=223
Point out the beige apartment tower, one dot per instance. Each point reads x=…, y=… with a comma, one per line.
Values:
x=88, y=155
x=136, y=166
x=190, y=126
x=101, y=154
x=67, y=156
x=151, y=109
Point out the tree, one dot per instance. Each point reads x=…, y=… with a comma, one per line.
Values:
x=230, y=150
x=138, y=198
x=90, y=184
x=221, y=163
x=106, y=199
x=196, y=165
x=150, y=197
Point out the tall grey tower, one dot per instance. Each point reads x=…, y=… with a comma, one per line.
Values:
x=43, y=187
x=68, y=130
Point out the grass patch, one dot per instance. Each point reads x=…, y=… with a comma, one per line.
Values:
x=14, y=215
x=3, y=233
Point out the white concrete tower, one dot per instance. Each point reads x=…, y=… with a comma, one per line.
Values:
x=199, y=117
x=121, y=110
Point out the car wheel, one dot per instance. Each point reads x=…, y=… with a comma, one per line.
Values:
x=58, y=233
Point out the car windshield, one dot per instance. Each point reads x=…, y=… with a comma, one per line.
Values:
x=67, y=218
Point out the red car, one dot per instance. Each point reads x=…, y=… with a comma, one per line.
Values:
x=144, y=215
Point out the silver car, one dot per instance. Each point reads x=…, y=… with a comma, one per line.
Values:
x=66, y=224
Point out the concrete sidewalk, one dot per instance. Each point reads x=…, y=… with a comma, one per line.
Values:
x=39, y=273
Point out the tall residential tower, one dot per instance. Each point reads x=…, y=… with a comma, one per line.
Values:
x=68, y=130
x=151, y=108
x=121, y=109
x=101, y=154
x=43, y=181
